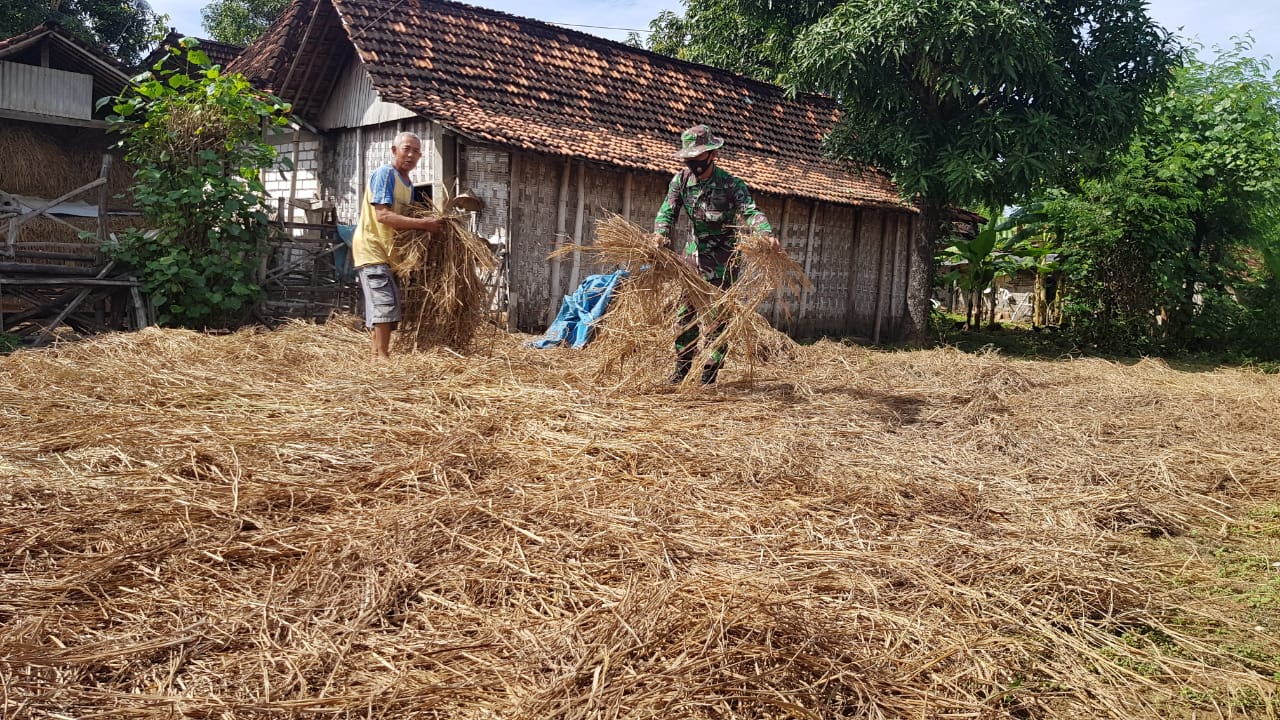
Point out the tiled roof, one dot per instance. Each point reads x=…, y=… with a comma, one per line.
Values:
x=219, y=53
x=529, y=85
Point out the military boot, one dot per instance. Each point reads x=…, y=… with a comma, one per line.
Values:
x=710, y=371
x=683, y=366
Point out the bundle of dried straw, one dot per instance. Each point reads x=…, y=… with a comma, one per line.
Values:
x=634, y=338
x=443, y=294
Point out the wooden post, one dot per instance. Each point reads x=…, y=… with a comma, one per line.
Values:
x=626, y=195
x=562, y=211
x=575, y=274
x=893, y=269
x=906, y=293
x=879, y=311
x=850, y=306
x=293, y=174
x=139, y=308
x=514, y=235
x=438, y=188
x=103, y=197
x=362, y=181
x=782, y=241
x=808, y=258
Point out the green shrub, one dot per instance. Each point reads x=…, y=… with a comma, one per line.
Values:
x=197, y=142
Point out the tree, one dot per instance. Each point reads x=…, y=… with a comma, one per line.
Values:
x=960, y=101
x=1194, y=195
x=123, y=29
x=240, y=22
x=195, y=136
x=748, y=37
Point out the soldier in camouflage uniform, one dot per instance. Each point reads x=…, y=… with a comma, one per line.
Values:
x=716, y=203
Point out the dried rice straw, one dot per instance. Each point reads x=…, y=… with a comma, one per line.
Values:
x=763, y=271
x=636, y=334
x=929, y=534
x=443, y=296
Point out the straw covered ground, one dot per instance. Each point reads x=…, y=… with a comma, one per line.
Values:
x=265, y=525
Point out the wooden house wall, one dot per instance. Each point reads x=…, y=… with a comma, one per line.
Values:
x=856, y=258
x=355, y=103
x=45, y=91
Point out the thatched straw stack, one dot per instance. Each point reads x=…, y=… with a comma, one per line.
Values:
x=443, y=295
x=263, y=525
x=47, y=161
x=633, y=340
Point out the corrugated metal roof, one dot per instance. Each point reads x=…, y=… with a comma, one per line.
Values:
x=529, y=85
x=66, y=52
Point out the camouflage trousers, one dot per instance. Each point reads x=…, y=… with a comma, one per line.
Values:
x=717, y=261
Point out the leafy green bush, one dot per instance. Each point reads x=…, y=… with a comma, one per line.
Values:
x=197, y=142
x=1257, y=334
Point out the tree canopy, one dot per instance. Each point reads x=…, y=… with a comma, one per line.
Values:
x=123, y=29
x=240, y=22
x=960, y=101
x=1193, y=196
x=749, y=37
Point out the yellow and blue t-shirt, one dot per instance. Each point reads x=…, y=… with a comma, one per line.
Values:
x=373, y=242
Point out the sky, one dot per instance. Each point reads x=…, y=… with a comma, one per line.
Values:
x=1209, y=22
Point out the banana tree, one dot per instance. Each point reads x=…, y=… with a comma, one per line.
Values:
x=972, y=270
x=1003, y=248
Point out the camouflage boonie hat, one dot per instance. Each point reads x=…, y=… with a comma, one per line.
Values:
x=697, y=140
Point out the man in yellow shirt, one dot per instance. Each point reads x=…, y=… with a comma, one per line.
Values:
x=388, y=194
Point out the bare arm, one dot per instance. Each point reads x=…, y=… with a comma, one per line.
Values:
x=386, y=216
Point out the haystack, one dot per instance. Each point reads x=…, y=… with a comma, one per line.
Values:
x=46, y=161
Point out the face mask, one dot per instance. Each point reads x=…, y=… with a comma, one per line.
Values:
x=698, y=167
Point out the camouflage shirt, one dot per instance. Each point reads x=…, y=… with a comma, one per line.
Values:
x=714, y=206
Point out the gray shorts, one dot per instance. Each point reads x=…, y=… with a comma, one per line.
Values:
x=381, y=294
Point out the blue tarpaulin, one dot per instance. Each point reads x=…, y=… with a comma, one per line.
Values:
x=579, y=311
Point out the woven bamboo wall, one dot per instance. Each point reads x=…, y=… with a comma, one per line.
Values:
x=827, y=303
x=603, y=190
x=338, y=172
x=533, y=226
x=866, y=278
x=534, y=214
x=341, y=155
x=488, y=176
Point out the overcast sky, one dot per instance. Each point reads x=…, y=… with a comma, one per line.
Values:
x=1211, y=22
